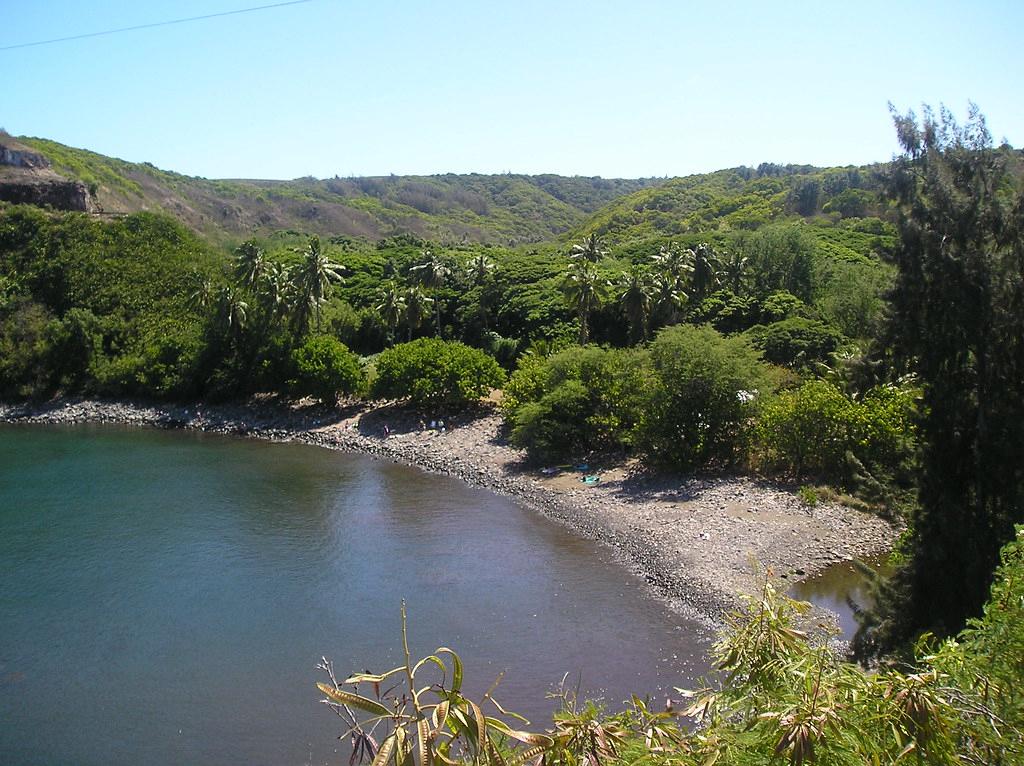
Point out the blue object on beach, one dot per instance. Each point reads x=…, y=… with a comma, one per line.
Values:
x=590, y=480
x=582, y=467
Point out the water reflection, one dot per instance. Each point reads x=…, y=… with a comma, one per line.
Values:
x=835, y=587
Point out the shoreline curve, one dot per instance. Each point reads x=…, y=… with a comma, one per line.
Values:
x=693, y=539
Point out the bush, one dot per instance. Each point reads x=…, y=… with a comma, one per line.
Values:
x=815, y=428
x=325, y=369
x=796, y=342
x=556, y=427
x=429, y=371
x=26, y=352
x=852, y=297
x=527, y=384
x=807, y=429
x=701, y=397
x=579, y=400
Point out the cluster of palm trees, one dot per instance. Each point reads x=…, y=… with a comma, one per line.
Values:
x=411, y=304
x=292, y=294
x=651, y=295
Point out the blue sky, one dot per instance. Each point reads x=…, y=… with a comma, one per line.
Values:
x=337, y=87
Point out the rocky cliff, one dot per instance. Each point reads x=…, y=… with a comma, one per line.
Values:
x=26, y=178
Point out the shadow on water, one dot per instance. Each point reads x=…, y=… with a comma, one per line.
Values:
x=842, y=588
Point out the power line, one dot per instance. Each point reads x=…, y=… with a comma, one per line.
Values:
x=154, y=24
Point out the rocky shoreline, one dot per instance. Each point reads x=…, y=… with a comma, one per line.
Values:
x=694, y=539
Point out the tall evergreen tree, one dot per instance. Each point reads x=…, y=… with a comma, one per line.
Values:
x=958, y=321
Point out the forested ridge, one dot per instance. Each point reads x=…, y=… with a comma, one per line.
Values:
x=858, y=331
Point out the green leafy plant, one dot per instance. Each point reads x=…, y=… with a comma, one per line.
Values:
x=702, y=393
x=808, y=495
x=816, y=429
x=412, y=721
x=325, y=369
x=429, y=371
x=580, y=400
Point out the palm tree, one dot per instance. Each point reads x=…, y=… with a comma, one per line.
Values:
x=250, y=265
x=589, y=250
x=275, y=290
x=311, y=280
x=417, y=304
x=479, y=267
x=232, y=312
x=673, y=260
x=669, y=297
x=706, y=268
x=735, y=270
x=673, y=270
x=584, y=291
x=635, y=293
x=391, y=308
x=202, y=297
x=432, y=274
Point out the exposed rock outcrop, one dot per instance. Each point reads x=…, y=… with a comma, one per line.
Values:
x=22, y=158
x=58, y=194
x=27, y=179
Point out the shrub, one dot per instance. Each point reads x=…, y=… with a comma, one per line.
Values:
x=807, y=429
x=526, y=384
x=796, y=342
x=579, y=400
x=985, y=665
x=25, y=349
x=781, y=305
x=815, y=429
x=852, y=296
x=325, y=369
x=851, y=203
x=558, y=425
x=702, y=395
x=429, y=371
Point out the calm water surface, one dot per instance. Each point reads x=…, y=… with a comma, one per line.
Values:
x=837, y=585
x=165, y=596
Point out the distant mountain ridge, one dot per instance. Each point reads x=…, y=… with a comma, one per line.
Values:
x=501, y=209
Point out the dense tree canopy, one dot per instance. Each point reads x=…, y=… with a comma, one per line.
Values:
x=959, y=325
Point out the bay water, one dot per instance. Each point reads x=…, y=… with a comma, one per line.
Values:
x=165, y=596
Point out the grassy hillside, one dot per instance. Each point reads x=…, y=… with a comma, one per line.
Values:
x=445, y=208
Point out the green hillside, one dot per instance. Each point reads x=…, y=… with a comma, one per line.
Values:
x=739, y=198
x=507, y=209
